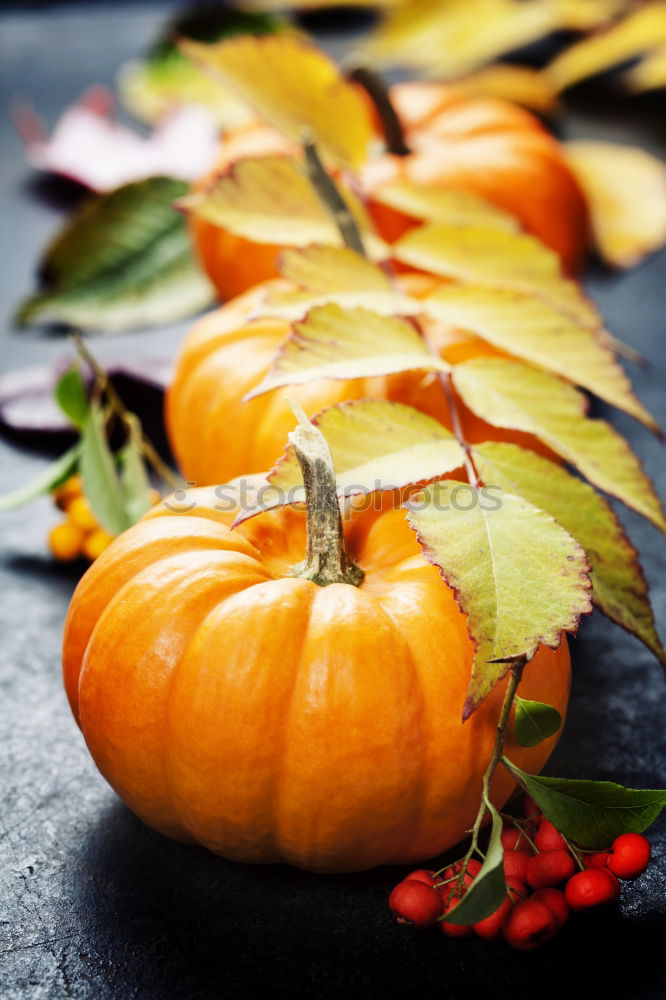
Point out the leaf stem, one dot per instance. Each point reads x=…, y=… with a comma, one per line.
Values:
x=331, y=196
x=104, y=385
x=378, y=92
x=327, y=561
x=498, y=751
x=456, y=427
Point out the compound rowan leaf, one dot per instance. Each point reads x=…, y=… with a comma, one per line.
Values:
x=433, y=203
x=507, y=394
x=592, y=813
x=518, y=84
x=534, y=331
x=519, y=576
x=497, y=258
x=619, y=587
x=626, y=191
x=639, y=32
x=269, y=199
x=332, y=342
x=122, y=262
x=293, y=85
x=376, y=445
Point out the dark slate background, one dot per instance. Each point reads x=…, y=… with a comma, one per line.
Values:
x=95, y=905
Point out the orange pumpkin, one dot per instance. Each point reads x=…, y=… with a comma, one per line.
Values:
x=483, y=145
x=224, y=356
x=271, y=719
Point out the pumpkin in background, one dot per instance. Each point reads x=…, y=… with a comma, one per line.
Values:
x=270, y=719
x=216, y=435
x=486, y=146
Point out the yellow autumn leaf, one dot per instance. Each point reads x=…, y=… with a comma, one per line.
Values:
x=269, y=199
x=446, y=40
x=332, y=342
x=581, y=15
x=619, y=587
x=649, y=73
x=376, y=445
x=626, y=191
x=434, y=203
x=641, y=31
x=496, y=258
x=519, y=576
x=293, y=85
x=519, y=84
x=533, y=331
x=320, y=274
x=508, y=394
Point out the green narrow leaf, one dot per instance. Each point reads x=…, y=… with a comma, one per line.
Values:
x=100, y=481
x=535, y=722
x=133, y=476
x=520, y=578
x=124, y=261
x=592, y=813
x=488, y=889
x=50, y=478
x=619, y=588
x=71, y=396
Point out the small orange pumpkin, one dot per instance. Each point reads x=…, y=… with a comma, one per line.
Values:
x=270, y=718
x=224, y=356
x=486, y=146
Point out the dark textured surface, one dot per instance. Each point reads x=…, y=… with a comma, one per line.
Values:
x=93, y=904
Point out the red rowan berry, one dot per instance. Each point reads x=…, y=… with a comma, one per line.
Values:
x=473, y=869
x=630, y=855
x=415, y=903
x=556, y=902
x=593, y=887
x=514, y=839
x=490, y=929
x=549, y=868
x=421, y=875
x=597, y=860
x=547, y=838
x=529, y=925
x=515, y=864
x=531, y=809
x=518, y=889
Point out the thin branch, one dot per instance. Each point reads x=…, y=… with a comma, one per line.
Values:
x=331, y=196
x=378, y=92
x=456, y=427
x=118, y=407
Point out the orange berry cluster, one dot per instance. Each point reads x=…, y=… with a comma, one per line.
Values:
x=80, y=534
x=543, y=884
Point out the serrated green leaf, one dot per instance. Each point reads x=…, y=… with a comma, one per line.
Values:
x=98, y=471
x=124, y=261
x=487, y=891
x=71, y=396
x=499, y=259
x=133, y=476
x=332, y=342
x=376, y=444
x=50, y=478
x=592, y=813
x=269, y=199
x=507, y=394
x=535, y=722
x=535, y=332
x=520, y=578
x=619, y=587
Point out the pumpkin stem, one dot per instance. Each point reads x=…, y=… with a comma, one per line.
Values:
x=378, y=92
x=327, y=560
x=330, y=195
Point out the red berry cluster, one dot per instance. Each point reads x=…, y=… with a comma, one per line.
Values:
x=546, y=878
